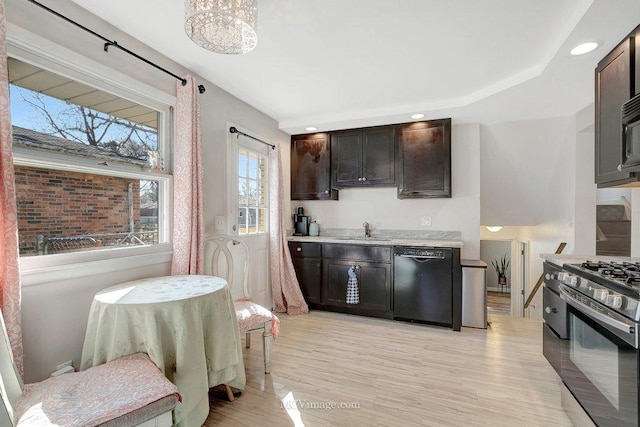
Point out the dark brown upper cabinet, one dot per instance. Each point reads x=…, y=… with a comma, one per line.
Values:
x=363, y=157
x=424, y=159
x=311, y=168
x=614, y=86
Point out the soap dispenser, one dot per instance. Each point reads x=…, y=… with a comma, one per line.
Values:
x=314, y=229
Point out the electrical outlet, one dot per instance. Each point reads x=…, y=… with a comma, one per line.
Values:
x=425, y=221
x=65, y=364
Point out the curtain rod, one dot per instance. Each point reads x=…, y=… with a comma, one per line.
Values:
x=114, y=43
x=234, y=130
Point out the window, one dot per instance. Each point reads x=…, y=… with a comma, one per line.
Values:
x=252, y=192
x=89, y=166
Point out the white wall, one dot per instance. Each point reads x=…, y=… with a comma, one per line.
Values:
x=545, y=193
x=585, y=187
x=55, y=314
x=527, y=171
x=381, y=208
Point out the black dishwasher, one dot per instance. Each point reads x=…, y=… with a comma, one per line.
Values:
x=423, y=285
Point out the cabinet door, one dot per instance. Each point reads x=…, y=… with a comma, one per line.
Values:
x=374, y=283
x=334, y=282
x=346, y=158
x=378, y=156
x=613, y=88
x=311, y=168
x=308, y=271
x=424, y=159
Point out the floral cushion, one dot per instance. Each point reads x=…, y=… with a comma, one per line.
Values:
x=95, y=396
x=250, y=315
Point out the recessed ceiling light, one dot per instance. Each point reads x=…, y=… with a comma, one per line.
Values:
x=311, y=128
x=494, y=228
x=417, y=116
x=583, y=48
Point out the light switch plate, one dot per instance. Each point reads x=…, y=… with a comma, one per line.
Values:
x=219, y=222
x=425, y=221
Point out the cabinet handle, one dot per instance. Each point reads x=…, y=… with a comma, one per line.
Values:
x=401, y=190
x=299, y=249
x=364, y=178
x=326, y=191
x=359, y=179
x=619, y=168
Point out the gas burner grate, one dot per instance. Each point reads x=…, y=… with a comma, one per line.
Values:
x=595, y=266
x=614, y=272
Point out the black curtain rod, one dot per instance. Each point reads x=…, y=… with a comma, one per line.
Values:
x=114, y=43
x=234, y=130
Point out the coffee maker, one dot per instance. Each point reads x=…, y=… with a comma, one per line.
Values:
x=300, y=223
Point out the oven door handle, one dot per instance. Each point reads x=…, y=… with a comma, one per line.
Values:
x=621, y=326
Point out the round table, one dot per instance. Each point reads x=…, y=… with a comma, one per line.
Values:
x=187, y=326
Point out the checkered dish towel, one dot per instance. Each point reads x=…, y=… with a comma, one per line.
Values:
x=353, y=294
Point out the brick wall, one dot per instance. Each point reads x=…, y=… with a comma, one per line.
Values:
x=61, y=204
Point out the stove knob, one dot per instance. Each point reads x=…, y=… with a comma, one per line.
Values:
x=547, y=276
x=600, y=294
x=550, y=310
x=568, y=279
x=614, y=301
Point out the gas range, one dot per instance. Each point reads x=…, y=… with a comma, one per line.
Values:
x=591, y=336
x=615, y=285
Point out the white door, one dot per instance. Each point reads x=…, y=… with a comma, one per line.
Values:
x=248, y=210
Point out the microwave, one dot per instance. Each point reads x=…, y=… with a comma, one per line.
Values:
x=631, y=135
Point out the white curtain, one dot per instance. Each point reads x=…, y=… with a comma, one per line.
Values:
x=285, y=288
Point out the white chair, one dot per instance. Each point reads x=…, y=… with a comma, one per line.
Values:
x=251, y=316
x=129, y=391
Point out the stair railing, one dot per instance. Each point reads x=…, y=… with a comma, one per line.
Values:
x=561, y=247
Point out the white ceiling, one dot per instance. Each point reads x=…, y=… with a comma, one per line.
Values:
x=346, y=63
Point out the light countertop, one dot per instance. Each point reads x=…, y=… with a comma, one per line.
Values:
x=379, y=241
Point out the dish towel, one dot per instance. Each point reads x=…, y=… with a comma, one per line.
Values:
x=353, y=294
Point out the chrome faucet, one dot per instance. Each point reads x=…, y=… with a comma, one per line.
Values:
x=367, y=229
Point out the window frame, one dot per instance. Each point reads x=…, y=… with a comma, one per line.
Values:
x=33, y=49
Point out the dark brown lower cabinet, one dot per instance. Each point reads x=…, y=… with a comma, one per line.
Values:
x=373, y=282
x=307, y=261
x=373, y=271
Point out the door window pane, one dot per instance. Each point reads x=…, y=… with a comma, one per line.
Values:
x=252, y=192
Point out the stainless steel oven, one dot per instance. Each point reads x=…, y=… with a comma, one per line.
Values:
x=554, y=330
x=599, y=364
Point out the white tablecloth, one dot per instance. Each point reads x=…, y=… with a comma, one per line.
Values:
x=187, y=326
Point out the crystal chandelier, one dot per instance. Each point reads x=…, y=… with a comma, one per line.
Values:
x=222, y=26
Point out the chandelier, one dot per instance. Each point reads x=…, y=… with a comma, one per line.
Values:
x=222, y=26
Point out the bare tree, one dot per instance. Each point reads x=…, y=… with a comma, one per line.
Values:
x=88, y=126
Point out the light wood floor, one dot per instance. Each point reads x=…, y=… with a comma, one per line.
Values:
x=399, y=374
x=498, y=303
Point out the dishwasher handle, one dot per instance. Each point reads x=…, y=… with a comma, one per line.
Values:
x=423, y=258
